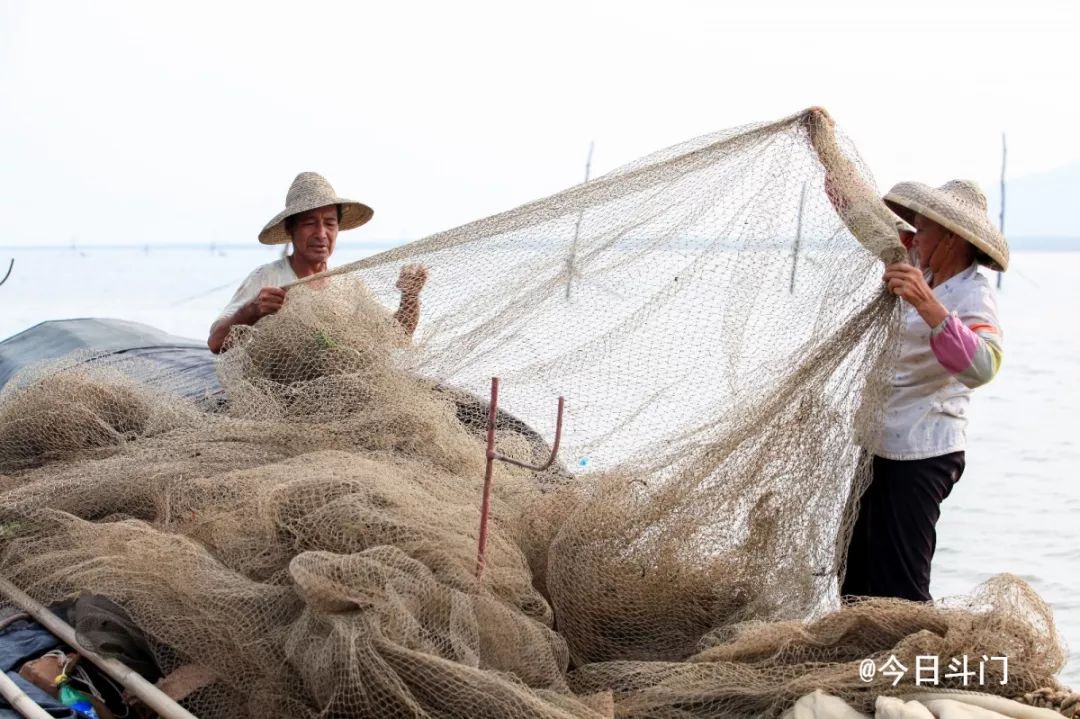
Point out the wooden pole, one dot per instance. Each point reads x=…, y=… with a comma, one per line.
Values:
x=798, y=237
x=577, y=229
x=20, y=701
x=126, y=676
x=1001, y=217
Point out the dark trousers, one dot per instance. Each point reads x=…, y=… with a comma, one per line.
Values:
x=894, y=536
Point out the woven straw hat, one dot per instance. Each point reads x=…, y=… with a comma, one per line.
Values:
x=309, y=191
x=959, y=206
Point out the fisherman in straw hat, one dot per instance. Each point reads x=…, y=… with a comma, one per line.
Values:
x=951, y=344
x=311, y=220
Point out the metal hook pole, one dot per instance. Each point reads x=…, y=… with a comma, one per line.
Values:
x=8, y=274
x=485, y=505
x=492, y=455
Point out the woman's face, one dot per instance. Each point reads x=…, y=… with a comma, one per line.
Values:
x=928, y=235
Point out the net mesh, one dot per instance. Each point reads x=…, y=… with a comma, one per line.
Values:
x=714, y=316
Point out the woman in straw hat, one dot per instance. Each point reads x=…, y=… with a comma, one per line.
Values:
x=951, y=344
x=311, y=220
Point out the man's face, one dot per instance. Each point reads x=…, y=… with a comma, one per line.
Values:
x=314, y=234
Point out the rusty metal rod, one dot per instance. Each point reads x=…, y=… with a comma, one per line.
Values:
x=485, y=507
x=554, y=447
x=492, y=455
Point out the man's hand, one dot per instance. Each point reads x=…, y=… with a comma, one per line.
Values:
x=410, y=282
x=412, y=279
x=269, y=301
x=909, y=284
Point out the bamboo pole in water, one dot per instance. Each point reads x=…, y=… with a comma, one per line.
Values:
x=798, y=238
x=1001, y=217
x=570, y=269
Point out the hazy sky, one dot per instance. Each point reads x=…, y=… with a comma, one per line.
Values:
x=149, y=122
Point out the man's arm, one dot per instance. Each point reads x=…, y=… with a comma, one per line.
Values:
x=267, y=302
x=408, y=313
x=410, y=282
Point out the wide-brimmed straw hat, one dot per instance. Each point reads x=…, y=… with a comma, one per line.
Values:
x=959, y=206
x=310, y=191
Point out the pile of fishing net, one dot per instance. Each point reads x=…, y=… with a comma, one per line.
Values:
x=714, y=316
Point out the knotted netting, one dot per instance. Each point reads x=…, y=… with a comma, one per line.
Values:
x=714, y=316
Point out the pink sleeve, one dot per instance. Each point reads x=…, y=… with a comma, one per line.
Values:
x=972, y=354
x=954, y=345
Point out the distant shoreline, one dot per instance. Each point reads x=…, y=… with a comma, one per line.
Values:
x=1044, y=244
x=1016, y=244
x=202, y=246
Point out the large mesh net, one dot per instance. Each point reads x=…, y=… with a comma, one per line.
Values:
x=715, y=318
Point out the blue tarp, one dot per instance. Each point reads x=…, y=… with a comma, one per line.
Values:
x=21, y=641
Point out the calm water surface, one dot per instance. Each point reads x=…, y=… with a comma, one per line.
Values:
x=1017, y=507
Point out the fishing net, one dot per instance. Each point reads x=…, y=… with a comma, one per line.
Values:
x=714, y=316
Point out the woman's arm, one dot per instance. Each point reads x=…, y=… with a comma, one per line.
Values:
x=968, y=348
x=967, y=344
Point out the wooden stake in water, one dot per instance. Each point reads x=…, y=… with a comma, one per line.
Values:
x=1001, y=217
x=798, y=238
x=577, y=229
